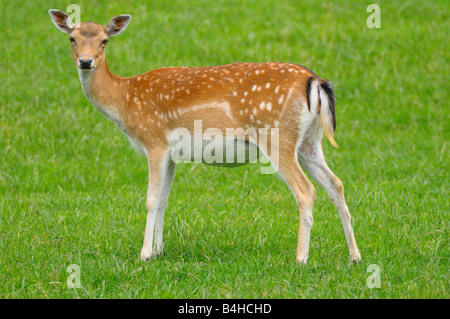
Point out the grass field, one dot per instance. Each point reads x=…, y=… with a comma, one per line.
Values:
x=72, y=190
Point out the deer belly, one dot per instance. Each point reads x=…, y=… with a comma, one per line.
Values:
x=218, y=151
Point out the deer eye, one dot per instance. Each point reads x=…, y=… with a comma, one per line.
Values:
x=72, y=40
x=104, y=42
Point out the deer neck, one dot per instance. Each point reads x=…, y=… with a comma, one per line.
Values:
x=106, y=91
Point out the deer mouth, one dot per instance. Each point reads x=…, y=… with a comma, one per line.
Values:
x=86, y=67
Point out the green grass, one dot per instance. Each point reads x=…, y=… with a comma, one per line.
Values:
x=72, y=191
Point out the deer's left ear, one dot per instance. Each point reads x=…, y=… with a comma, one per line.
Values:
x=118, y=24
x=61, y=20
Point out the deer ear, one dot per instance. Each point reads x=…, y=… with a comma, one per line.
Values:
x=61, y=20
x=118, y=24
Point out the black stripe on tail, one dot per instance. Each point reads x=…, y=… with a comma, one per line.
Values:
x=308, y=89
x=326, y=86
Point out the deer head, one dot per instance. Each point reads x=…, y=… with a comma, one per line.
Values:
x=88, y=39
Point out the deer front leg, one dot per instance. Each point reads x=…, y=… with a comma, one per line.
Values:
x=161, y=172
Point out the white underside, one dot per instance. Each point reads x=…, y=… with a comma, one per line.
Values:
x=226, y=151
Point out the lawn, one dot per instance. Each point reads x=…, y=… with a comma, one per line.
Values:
x=72, y=190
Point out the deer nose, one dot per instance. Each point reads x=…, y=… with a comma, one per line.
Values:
x=85, y=63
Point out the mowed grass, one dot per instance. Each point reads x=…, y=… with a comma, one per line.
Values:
x=72, y=190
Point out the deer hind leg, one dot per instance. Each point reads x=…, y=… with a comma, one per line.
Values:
x=289, y=170
x=312, y=160
x=161, y=172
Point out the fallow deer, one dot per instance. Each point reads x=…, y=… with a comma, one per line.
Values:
x=150, y=106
